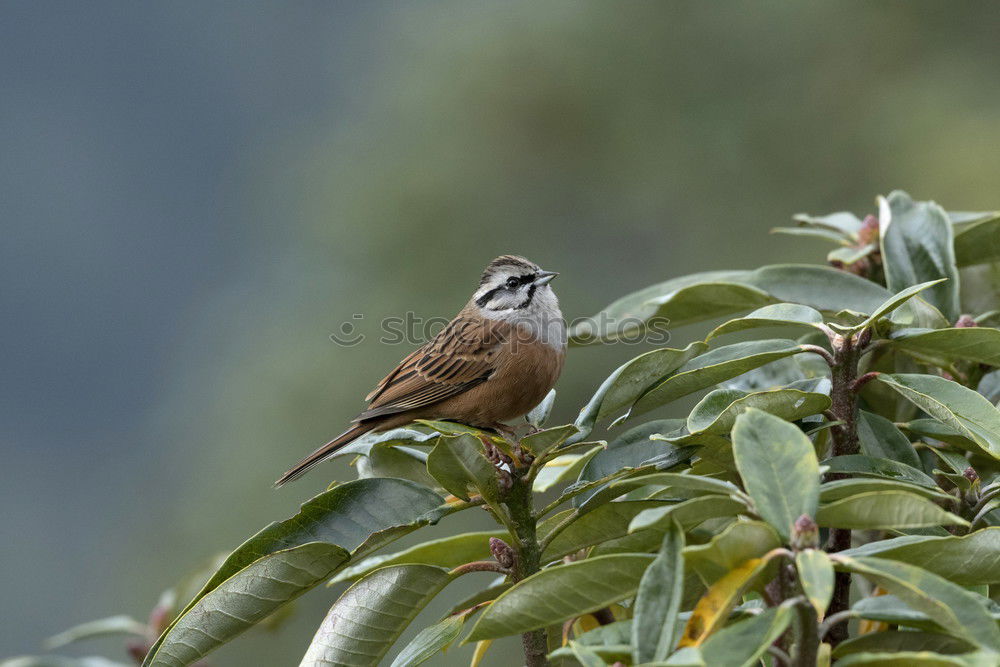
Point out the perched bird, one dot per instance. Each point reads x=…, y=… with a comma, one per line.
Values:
x=494, y=362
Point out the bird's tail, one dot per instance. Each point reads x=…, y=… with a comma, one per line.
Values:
x=321, y=454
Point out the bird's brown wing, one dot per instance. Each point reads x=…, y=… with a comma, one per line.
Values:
x=461, y=356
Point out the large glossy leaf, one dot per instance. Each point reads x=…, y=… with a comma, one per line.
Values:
x=713, y=608
x=395, y=461
x=688, y=513
x=736, y=544
x=631, y=379
x=607, y=522
x=885, y=509
x=880, y=438
x=779, y=468
x=459, y=464
x=742, y=644
x=893, y=610
x=968, y=560
x=358, y=516
x=870, y=466
x=916, y=241
x=979, y=344
x=59, y=661
x=892, y=641
x=954, y=608
x=976, y=237
x=777, y=314
x=894, y=302
x=717, y=412
x=447, y=552
x=953, y=405
x=246, y=598
x=561, y=592
x=702, y=296
x=844, y=224
x=712, y=368
x=816, y=576
x=845, y=488
x=563, y=468
x=661, y=589
x=908, y=659
x=370, y=615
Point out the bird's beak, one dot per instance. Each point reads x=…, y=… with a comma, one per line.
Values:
x=544, y=278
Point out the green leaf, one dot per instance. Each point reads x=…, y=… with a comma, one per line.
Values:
x=903, y=659
x=459, y=464
x=541, y=442
x=540, y=413
x=563, y=468
x=630, y=380
x=779, y=468
x=916, y=240
x=113, y=625
x=890, y=609
x=816, y=576
x=776, y=314
x=869, y=466
x=742, y=644
x=967, y=560
x=677, y=299
x=702, y=296
x=674, y=480
x=561, y=592
x=895, y=301
x=712, y=368
x=449, y=552
x=955, y=609
x=978, y=344
x=607, y=522
x=736, y=544
x=632, y=450
x=244, y=599
x=843, y=223
x=658, y=601
x=370, y=615
x=935, y=430
x=892, y=641
x=880, y=438
x=358, y=516
x=976, y=237
x=885, y=510
x=430, y=641
x=952, y=404
x=717, y=412
x=688, y=513
x=393, y=461
x=845, y=488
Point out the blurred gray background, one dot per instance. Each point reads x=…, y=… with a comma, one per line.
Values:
x=194, y=196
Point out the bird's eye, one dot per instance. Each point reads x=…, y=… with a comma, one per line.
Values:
x=512, y=283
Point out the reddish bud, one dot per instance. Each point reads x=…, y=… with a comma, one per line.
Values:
x=966, y=322
x=502, y=552
x=970, y=475
x=805, y=533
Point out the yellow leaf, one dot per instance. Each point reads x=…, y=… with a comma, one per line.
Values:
x=481, y=648
x=713, y=608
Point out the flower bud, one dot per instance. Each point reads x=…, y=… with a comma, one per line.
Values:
x=966, y=322
x=502, y=552
x=805, y=533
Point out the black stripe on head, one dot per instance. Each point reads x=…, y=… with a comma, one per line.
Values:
x=527, y=300
x=507, y=260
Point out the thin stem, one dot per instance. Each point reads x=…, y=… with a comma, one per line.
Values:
x=479, y=566
x=863, y=380
x=783, y=657
x=832, y=620
x=821, y=351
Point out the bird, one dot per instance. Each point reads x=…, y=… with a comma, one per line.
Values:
x=494, y=362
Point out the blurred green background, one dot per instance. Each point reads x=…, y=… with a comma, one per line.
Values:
x=194, y=196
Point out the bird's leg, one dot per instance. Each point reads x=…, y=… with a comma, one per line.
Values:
x=499, y=460
x=522, y=458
